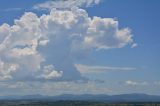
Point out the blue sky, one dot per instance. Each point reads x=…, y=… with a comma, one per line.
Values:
x=86, y=60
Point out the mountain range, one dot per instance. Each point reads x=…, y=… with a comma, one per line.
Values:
x=89, y=97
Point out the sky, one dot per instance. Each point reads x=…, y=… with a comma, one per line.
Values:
x=53, y=47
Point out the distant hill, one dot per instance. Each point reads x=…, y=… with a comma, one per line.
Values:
x=89, y=97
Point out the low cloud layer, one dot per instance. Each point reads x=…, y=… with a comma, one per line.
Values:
x=50, y=88
x=46, y=47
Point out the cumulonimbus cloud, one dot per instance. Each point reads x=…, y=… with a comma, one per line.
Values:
x=45, y=47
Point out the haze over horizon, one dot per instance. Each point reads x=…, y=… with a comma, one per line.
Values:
x=53, y=47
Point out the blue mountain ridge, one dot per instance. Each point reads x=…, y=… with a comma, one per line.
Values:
x=89, y=97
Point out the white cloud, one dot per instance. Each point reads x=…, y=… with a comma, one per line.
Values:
x=104, y=34
x=100, y=69
x=134, y=83
x=43, y=42
x=50, y=73
x=134, y=45
x=6, y=69
x=65, y=4
x=56, y=39
x=131, y=82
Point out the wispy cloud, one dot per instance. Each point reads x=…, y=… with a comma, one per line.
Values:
x=136, y=83
x=100, y=69
x=65, y=4
x=134, y=45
